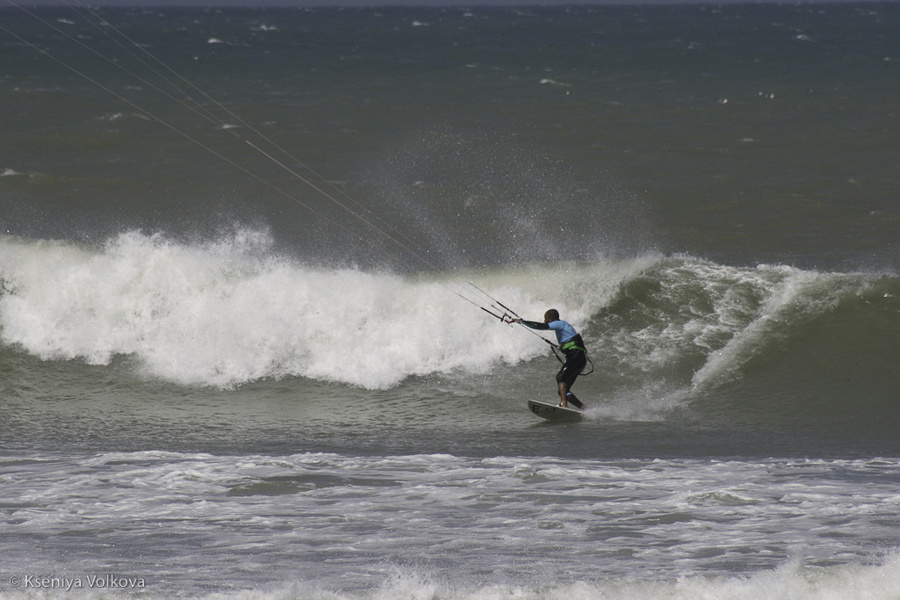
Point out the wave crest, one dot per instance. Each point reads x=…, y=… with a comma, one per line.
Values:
x=231, y=311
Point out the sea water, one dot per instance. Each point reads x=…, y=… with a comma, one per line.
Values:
x=244, y=255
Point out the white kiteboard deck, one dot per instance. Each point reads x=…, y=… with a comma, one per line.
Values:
x=553, y=412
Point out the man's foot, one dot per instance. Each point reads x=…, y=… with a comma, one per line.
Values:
x=570, y=398
x=582, y=408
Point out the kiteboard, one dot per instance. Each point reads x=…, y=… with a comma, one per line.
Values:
x=554, y=412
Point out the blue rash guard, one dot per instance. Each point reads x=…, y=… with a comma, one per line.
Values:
x=564, y=331
x=566, y=336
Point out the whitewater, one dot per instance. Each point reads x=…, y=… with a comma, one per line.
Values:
x=425, y=526
x=230, y=311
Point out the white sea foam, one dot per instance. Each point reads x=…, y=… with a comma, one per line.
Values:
x=790, y=582
x=787, y=297
x=228, y=312
x=793, y=581
x=322, y=525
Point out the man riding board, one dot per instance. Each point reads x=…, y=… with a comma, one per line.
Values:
x=572, y=346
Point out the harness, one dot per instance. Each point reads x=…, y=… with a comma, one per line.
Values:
x=573, y=345
x=576, y=344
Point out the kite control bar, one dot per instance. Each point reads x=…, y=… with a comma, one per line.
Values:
x=510, y=316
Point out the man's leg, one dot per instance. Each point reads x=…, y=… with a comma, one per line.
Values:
x=574, y=400
x=566, y=377
x=563, y=394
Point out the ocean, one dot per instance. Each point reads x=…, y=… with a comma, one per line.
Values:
x=252, y=263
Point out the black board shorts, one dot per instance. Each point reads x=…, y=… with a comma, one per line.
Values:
x=572, y=368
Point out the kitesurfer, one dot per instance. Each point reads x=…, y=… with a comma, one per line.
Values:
x=571, y=344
